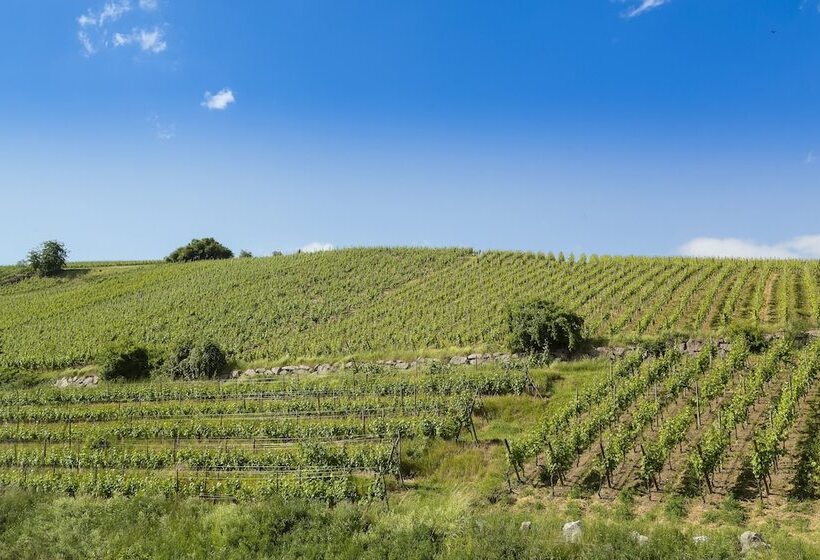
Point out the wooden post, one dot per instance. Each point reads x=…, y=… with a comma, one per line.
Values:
x=697, y=404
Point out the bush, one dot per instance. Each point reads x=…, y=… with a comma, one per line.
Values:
x=196, y=361
x=200, y=250
x=125, y=363
x=541, y=327
x=48, y=259
x=752, y=334
x=245, y=254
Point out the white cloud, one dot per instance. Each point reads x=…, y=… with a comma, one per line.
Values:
x=811, y=158
x=643, y=6
x=95, y=33
x=316, y=247
x=803, y=247
x=112, y=11
x=149, y=41
x=85, y=41
x=219, y=100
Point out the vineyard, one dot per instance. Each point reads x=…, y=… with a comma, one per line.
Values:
x=741, y=425
x=375, y=302
x=326, y=437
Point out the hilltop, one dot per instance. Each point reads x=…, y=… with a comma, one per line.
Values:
x=385, y=301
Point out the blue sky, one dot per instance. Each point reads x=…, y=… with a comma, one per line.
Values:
x=128, y=127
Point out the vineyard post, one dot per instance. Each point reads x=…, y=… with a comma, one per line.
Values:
x=697, y=404
x=512, y=460
x=604, y=461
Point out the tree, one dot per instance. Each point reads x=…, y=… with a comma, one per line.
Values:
x=48, y=259
x=542, y=327
x=192, y=360
x=245, y=254
x=207, y=248
x=124, y=362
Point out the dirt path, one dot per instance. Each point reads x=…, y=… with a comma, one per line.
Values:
x=766, y=311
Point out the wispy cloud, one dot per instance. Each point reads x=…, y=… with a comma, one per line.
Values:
x=163, y=132
x=148, y=40
x=95, y=34
x=112, y=11
x=803, y=247
x=642, y=6
x=218, y=101
x=316, y=247
x=810, y=158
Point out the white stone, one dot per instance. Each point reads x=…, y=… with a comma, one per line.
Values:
x=750, y=540
x=572, y=531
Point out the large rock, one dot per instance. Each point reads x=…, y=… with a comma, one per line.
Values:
x=639, y=538
x=526, y=526
x=458, y=360
x=750, y=541
x=572, y=531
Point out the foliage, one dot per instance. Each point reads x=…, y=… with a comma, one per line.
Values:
x=542, y=327
x=126, y=363
x=196, y=360
x=751, y=332
x=207, y=248
x=243, y=254
x=49, y=259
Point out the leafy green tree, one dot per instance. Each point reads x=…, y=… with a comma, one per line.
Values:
x=193, y=360
x=542, y=327
x=129, y=363
x=48, y=259
x=245, y=254
x=207, y=248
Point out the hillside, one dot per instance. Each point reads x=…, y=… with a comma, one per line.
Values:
x=380, y=301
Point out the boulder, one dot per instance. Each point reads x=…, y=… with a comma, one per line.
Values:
x=750, y=541
x=526, y=526
x=639, y=538
x=458, y=360
x=572, y=531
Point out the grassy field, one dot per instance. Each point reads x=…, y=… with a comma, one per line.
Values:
x=385, y=302
x=432, y=462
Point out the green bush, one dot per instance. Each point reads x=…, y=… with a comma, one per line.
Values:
x=541, y=327
x=191, y=360
x=48, y=259
x=752, y=334
x=124, y=363
x=204, y=249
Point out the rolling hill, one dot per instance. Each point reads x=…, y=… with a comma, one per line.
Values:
x=382, y=301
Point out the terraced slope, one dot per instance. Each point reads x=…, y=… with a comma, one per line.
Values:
x=384, y=301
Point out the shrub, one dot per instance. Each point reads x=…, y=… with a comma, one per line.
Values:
x=541, y=327
x=196, y=361
x=245, y=254
x=125, y=363
x=752, y=334
x=48, y=259
x=200, y=250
